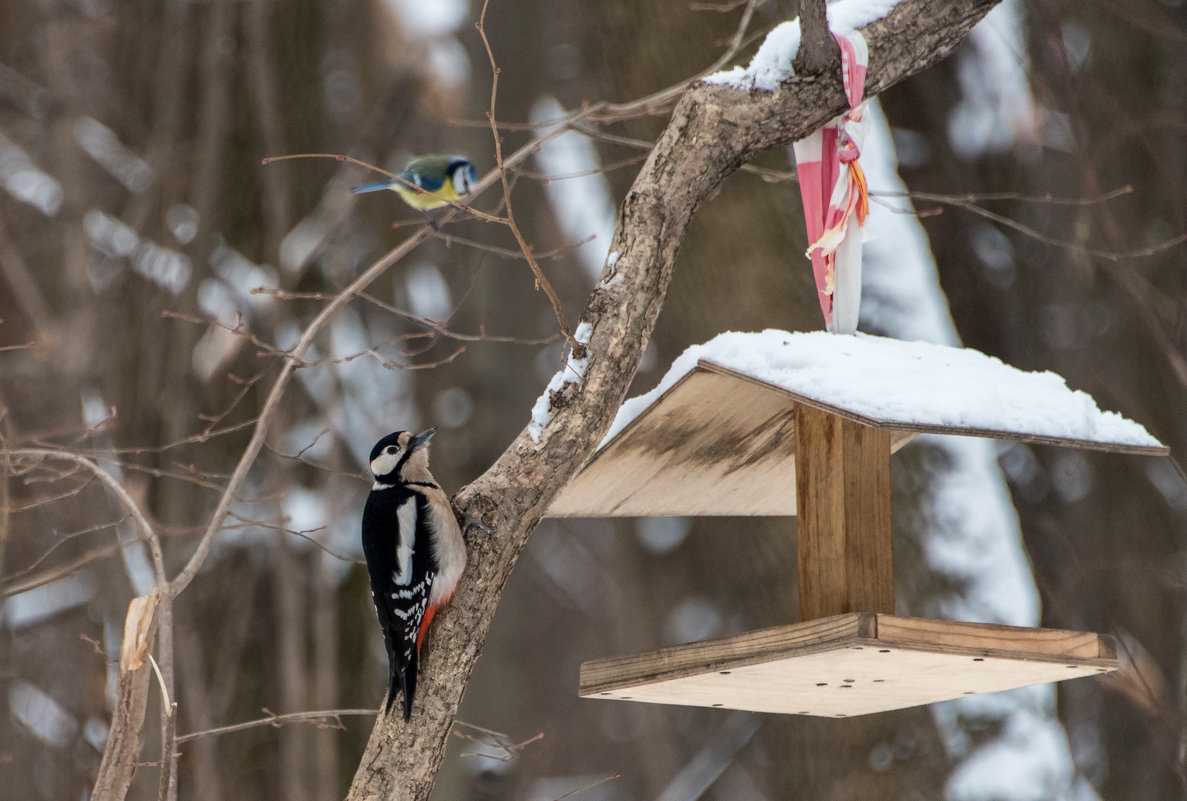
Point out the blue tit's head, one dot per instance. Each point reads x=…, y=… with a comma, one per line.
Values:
x=462, y=175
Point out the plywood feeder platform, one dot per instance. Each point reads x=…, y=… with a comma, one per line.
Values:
x=727, y=441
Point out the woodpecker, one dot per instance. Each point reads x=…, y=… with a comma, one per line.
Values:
x=414, y=549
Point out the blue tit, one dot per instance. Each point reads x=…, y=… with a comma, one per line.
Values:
x=439, y=179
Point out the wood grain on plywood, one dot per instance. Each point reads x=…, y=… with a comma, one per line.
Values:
x=848, y=665
x=711, y=445
x=843, y=494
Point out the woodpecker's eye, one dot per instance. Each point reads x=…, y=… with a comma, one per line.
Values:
x=391, y=449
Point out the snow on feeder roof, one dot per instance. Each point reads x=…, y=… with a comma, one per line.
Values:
x=715, y=436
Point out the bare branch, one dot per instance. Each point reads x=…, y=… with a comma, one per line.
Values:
x=328, y=719
x=13, y=585
x=146, y=530
x=1068, y=244
x=494, y=740
x=62, y=539
x=507, y=253
x=434, y=325
x=302, y=534
x=589, y=786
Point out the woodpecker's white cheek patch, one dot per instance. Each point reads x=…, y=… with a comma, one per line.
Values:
x=384, y=463
x=406, y=522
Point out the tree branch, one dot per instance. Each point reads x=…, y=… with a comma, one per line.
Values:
x=817, y=48
x=714, y=129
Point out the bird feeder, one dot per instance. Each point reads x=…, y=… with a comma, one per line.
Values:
x=805, y=424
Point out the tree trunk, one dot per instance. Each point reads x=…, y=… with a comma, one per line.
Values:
x=714, y=130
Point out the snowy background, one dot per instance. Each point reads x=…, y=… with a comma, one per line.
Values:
x=131, y=185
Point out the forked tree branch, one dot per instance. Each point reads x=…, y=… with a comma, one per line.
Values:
x=714, y=129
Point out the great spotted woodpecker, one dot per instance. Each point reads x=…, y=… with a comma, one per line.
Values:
x=414, y=549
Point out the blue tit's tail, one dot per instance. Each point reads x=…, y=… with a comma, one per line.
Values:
x=374, y=186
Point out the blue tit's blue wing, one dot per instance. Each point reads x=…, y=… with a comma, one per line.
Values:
x=374, y=186
x=427, y=182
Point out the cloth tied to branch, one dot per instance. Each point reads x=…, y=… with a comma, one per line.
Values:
x=833, y=188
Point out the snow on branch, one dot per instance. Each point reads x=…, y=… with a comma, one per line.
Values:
x=772, y=64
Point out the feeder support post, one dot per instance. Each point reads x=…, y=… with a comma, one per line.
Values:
x=842, y=483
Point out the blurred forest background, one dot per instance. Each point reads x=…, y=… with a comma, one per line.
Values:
x=136, y=220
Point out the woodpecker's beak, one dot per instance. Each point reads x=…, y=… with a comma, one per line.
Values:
x=421, y=439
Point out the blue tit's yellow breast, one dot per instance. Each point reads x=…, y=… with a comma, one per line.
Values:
x=424, y=200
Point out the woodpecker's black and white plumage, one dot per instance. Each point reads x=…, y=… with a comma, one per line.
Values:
x=414, y=549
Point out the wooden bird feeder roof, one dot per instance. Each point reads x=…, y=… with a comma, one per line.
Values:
x=716, y=437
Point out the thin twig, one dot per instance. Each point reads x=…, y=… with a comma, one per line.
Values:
x=214, y=420
x=720, y=8
x=302, y=534
x=985, y=197
x=25, y=346
x=589, y=786
x=150, y=536
x=1079, y=247
x=482, y=336
x=271, y=350
x=508, y=253
x=496, y=740
x=136, y=450
x=61, y=540
x=276, y=721
x=10, y=586
x=46, y=500
x=601, y=169
x=541, y=281
x=437, y=327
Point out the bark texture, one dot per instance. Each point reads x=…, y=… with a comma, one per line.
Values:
x=131, y=701
x=713, y=130
x=817, y=49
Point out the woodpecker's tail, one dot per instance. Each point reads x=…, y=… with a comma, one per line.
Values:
x=408, y=679
x=393, y=687
x=374, y=186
